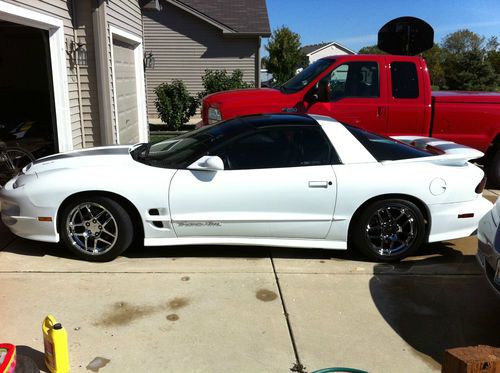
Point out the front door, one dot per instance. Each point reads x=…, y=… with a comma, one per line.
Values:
x=277, y=182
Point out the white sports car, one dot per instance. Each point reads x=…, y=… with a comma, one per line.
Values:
x=277, y=180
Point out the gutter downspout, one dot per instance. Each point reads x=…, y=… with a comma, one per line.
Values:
x=78, y=77
x=257, y=63
x=103, y=69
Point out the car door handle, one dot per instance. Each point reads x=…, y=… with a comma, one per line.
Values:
x=319, y=184
x=380, y=111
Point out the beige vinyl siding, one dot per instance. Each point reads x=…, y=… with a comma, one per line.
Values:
x=184, y=46
x=126, y=15
x=59, y=9
x=88, y=78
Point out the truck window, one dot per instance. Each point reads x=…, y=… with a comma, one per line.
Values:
x=404, y=80
x=306, y=76
x=354, y=80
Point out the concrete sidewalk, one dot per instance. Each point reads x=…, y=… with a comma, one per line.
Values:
x=223, y=309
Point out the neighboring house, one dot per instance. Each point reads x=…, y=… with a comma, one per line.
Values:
x=74, y=69
x=316, y=51
x=187, y=37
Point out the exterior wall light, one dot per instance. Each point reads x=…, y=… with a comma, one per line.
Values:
x=77, y=53
x=149, y=60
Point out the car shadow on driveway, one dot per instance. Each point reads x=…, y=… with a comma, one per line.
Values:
x=437, y=302
x=440, y=252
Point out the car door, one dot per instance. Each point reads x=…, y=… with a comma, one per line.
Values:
x=355, y=95
x=276, y=182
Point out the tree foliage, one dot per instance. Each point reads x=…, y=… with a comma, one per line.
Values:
x=219, y=80
x=466, y=64
x=285, y=54
x=434, y=59
x=371, y=49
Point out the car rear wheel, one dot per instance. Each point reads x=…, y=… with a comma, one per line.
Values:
x=389, y=230
x=96, y=228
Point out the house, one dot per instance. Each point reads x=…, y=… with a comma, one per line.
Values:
x=316, y=51
x=72, y=72
x=187, y=37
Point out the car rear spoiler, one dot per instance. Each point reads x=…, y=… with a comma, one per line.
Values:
x=446, y=152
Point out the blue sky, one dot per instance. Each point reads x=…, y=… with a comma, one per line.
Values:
x=355, y=23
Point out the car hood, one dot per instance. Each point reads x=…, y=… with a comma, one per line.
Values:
x=106, y=156
x=262, y=94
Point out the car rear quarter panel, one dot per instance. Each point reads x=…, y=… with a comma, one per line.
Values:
x=359, y=183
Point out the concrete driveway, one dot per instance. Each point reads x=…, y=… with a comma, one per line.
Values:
x=247, y=309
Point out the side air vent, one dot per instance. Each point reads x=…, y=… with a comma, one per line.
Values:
x=158, y=224
x=154, y=212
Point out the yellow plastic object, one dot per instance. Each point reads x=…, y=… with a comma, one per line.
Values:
x=55, y=342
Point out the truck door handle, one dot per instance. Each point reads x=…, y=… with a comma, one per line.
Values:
x=380, y=111
x=319, y=184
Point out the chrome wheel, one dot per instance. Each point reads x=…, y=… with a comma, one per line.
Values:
x=391, y=230
x=92, y=228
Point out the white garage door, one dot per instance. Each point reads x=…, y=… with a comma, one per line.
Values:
x=126, y=92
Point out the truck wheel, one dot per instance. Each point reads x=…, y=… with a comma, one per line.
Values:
x=493, y=170
x=96, y=229
x=389, y=230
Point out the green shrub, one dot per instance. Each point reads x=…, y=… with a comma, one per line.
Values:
x=174, y=104
x=220, y=80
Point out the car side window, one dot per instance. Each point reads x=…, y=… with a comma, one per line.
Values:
x=354, y=80
x=277, y=147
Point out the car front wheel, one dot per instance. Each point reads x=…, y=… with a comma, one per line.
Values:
x=96, y=228
x=389, y=230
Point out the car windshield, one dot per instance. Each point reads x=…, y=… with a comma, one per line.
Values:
x=306, y=76
x=181, y=151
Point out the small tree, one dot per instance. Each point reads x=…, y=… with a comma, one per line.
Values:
x=371, y=49
x=434, y=59
x=466, y=65
x=219, y=80
x=285, y=55
x=174, y=104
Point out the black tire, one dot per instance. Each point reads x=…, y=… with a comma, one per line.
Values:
x=388, y=230
x=493, y=170
x=97, y=229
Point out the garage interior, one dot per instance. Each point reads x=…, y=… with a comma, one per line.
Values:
x=27, y=117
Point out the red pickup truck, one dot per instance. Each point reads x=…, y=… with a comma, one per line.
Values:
x=387, y=94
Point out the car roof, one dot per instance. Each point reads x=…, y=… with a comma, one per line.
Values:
x=264, y=120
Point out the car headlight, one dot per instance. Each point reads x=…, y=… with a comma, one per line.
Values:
x=23, y=179
x=213, y=115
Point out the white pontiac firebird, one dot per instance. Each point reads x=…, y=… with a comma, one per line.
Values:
x=278, y=180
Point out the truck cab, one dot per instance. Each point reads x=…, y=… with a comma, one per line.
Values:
x=386, y=94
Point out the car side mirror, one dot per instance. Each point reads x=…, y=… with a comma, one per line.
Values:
x=207, y=163
x=323, y=90
x=312, y=96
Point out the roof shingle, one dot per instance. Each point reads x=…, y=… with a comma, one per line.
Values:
x=242, y=16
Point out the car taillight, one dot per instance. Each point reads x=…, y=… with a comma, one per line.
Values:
x=481, y=185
